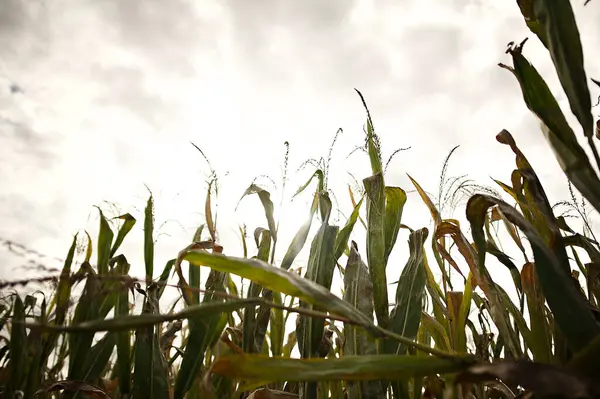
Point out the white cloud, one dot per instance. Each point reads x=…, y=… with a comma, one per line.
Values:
x=114, y=91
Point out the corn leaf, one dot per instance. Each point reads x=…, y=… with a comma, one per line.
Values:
x=571, y=311
x=375, y=193
x=348, y=368
x=358, y=290
x=571, y=157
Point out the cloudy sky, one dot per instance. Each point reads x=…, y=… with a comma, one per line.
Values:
x=100, y=98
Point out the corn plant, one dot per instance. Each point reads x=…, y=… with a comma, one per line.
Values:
x=223, y=339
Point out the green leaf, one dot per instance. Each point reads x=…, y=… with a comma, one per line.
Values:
x=320, y=270
x=320, y=182
x=463, y=315
x=124, y=323
x=265, y=199
x=204, y=332
x=18, y=350
x=87, y=310
x=252, y=342
x=150, y=373
x=358, y=290
x=105, y=237
x=405, y=316
x=277, y=329
x=149, y=239
x=372, y=142
x=473, y=257
x=343, y=236
x=279, y=280
x=63, y=292
x=395, y=198
x=374, y=188
x=570, y=308
x=527, y=9
x=540, y=343
x=129, y=222
x=571, y=157
x=61, y=301
x=587, y=360
x=437, y=331
x=194, y=274
x=348, y=368
x=558, y=24
x=164, y=276
x=123, y=337
x=98, y=357
x=300, y=238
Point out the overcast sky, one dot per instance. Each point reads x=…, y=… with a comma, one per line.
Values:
x=100, y=98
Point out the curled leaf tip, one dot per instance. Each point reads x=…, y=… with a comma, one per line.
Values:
x=504, y=137
x=513, y=48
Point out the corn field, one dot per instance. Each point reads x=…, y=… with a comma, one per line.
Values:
x=257, y=329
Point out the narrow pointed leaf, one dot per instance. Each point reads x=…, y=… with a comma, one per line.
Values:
x=203, y=334
x=405, y=316
x=569, y=154
x=348, y=368
x=18, y=350
x=150, y=373
x=105, y=238
x=149, y=238
x=265, y=199
x=358, y=290
x=571, y=311
x=564, y=44
x=87, y=310
x=279, y=280
x=98, y=357
x=374, y=188
x=395, y=198
x=343, y=236
x=128, y=223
